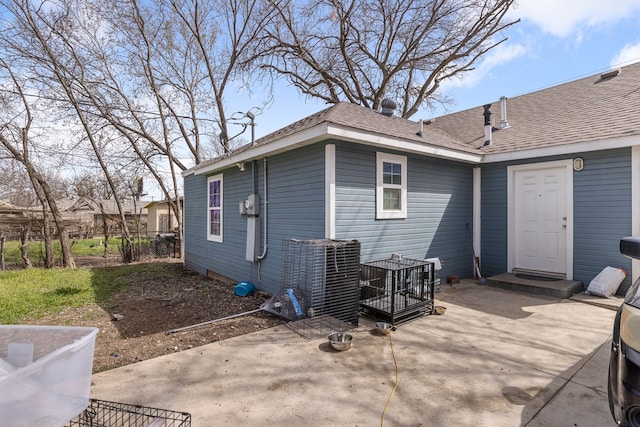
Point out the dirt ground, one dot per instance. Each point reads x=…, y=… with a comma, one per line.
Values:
x=134, y=324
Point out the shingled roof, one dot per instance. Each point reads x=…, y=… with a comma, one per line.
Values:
x=596, y=108
x=365, y=119
x=603, y=108
x=9, y=208
x=353, y=123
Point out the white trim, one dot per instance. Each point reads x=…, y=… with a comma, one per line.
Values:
x=635, y=205
x=330, y=191
x=300, y=139
x=511, y=170
x=325, y=131
x=477, y=209
x=382, y=213
x=210, y=237
x=399, y=144
x=566, y=149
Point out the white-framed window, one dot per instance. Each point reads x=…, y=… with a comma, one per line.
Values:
x=214, y=208
x=391, y=186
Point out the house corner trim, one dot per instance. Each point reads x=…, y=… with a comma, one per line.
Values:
x=330, y=191
x=477, y=210
x=635, y=205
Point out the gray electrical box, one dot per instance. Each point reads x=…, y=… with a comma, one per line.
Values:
x=251, y=206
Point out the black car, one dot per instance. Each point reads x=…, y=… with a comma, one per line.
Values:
x=624, y=363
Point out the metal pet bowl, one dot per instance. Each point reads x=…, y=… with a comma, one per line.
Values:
x=384, y=328
x=340, y=341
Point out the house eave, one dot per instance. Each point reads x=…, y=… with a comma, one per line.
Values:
x=560, y=150
x=398, y=144
x=325, y=131
x=300, y=139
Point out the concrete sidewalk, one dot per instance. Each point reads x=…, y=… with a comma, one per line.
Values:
x=495, y=358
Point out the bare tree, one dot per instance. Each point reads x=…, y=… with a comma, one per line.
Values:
x=363, y=51
x=43, y=36
x=24, y=247
x=158, y=73
x=15, y=186
x=3, y=239
x=15, y=139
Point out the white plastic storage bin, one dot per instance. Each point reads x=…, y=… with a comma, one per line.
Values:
x=45, y=374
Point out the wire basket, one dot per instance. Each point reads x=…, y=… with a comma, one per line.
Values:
x=102, y=413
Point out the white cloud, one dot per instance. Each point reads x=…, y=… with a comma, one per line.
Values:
x=565, y=17
x=628, y=55
x=499, y=55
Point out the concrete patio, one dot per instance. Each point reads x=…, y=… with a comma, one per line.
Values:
x=495, y=358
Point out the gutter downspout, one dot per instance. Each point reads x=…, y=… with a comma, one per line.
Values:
x=265, y=248
x=477, y=214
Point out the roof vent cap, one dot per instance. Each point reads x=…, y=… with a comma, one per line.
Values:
x=388, y=107
x=504, y=123
x=609, y=74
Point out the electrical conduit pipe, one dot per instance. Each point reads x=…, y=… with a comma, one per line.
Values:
x=263, y=255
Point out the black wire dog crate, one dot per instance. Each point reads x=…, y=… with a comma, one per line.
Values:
x=397, y=289
x=103, y=413
x=327, y=273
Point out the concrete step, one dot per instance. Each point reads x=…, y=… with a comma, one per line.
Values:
x=598, y=301
x=554, y=288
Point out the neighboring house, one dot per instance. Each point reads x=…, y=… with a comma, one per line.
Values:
x=78, y=217
x=82, y=217
x=14, y=218
x=553, y=192
x=160, y=218
x=87, y=215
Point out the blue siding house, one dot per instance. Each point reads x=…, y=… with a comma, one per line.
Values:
x=559, y=178
x=546, y=183
x=345, y=173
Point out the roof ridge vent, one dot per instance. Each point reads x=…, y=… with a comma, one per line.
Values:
x=610, y=74
x=388, y=107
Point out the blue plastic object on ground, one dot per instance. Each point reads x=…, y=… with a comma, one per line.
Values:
x=242, y=289
x=296, y=303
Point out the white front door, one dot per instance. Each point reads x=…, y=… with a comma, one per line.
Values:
x=540, y=211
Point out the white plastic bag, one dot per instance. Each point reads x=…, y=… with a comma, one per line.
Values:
x=607, y=282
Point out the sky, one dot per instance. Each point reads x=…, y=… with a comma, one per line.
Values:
x=557, y=41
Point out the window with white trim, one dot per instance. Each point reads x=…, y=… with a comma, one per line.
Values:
x=214, y=208
x=391, y=186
